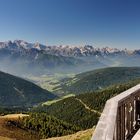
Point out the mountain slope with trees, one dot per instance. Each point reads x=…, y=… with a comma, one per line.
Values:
x=17, y=92
x=46, y=126
x=99, y=79
x=74, y=112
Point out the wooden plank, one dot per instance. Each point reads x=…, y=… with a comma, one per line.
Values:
x=127, y=119
x=123, y=121
x=132, y=116
x=118, y=125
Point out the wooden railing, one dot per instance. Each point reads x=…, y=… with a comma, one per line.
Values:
x=120, y=119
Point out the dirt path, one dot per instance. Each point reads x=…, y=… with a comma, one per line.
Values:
x=87, y=107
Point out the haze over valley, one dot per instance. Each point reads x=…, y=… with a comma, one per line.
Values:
x=22, y=58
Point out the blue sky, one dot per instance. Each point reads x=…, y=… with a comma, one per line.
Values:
x=113, y=23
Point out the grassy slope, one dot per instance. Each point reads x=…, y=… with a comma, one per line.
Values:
x=10, y=132
x=99, y=79
x=81, y=135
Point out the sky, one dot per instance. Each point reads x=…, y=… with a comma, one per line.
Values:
x=101, y=23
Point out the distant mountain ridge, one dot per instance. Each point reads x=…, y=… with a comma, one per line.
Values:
x=21, y=44
x=66, y=50
x=19, y=57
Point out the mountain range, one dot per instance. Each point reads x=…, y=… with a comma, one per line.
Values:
x=20, y=58
x=65, y=50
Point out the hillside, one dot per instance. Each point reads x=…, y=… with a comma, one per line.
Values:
x=10, y=132
x=34, y=126
x=84, y=110
x=98, y=79
x=46, y=126
x=66, y=116
x=17, y=92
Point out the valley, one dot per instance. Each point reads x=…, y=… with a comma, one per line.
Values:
x=51, y=82
x=63, y=84
x=69, y=108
